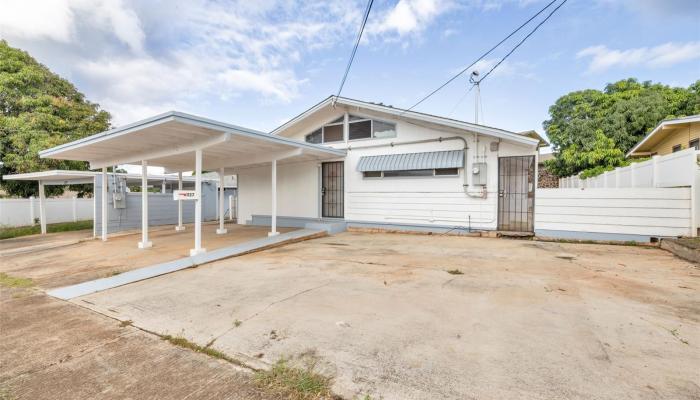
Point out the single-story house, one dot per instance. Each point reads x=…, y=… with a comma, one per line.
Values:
x=668, y=137
x=343, y=160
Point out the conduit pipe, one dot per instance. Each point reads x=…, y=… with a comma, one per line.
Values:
x=467, y=171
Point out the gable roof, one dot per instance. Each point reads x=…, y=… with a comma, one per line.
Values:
x=401, y=113
x=655, y=136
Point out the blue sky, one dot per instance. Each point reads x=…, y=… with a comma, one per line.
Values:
x=260, y=63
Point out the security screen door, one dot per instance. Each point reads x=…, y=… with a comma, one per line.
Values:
x=516, y=193
x=332, y=190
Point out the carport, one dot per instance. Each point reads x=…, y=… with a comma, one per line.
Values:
x=75, y=177
x=182, y=142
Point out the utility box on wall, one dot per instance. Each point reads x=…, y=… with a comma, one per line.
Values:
x=479, y=174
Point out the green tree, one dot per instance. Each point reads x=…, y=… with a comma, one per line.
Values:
x=38, y=110
x=624, y=112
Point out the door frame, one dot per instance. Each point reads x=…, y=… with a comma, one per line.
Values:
x=531, y=221
x=341, y=192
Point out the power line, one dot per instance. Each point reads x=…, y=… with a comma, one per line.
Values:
x=357, y=43
x=482, y=56
x=523, y=40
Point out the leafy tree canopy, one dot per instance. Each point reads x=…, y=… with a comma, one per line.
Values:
x=38, y=110
x=587, y=126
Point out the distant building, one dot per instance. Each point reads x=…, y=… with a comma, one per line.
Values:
x=669, y=137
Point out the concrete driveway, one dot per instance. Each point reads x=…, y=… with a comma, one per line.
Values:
x=383, y=316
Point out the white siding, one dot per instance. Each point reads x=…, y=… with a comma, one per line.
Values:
x=297, y=191
x=622, y=211
x=439, y=201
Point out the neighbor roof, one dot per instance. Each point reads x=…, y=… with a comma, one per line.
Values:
x=401, y=113
x=170, y=139
x=657, y=134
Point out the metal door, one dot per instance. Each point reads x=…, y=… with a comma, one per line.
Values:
x=332, y=190
x=516, y=193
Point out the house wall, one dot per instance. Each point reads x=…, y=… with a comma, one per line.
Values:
x=415, y=201
x=297, y=191
x=682, y=136
x=613, y=213
x=162, y=209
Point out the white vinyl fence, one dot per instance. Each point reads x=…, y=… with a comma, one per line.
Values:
x=20, y=212
x=613, y=214
x=672, y=170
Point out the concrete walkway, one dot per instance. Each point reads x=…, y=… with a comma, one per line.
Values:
x=98, y=285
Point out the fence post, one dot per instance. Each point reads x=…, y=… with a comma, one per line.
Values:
x=230, y=207
x=655, y=171
x=633, y=177
x=605, y=178
x=32, y=216
x=75, y=209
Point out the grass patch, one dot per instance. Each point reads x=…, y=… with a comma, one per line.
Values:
x=455, y=272
x=14, y=282
x=124, y=324
x=17, y=231
x=292, y=383
x=182, y=342
x=237, y=323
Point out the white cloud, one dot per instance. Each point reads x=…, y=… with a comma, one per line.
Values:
x=407, y=17
x=56, y=20
x=665, y=55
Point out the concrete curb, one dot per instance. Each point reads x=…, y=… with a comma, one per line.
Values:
x=98, y=285
x=679, y=250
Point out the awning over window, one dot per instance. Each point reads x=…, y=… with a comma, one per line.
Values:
x=409, y=161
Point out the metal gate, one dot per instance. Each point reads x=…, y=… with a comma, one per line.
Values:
x=516, y=193
x=332, y=190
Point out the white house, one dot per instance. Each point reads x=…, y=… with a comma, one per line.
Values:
x=343, y=160
x=402, y=170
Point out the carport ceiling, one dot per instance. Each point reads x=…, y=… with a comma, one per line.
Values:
x=169, y=140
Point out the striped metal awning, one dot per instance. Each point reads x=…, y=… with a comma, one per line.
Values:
x=411, y=161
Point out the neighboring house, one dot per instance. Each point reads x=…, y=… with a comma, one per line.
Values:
x=402, y=170
x=545, y=178
x=668, y=137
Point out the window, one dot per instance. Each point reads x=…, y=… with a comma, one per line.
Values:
x=382, y=129
x=333, y=133
x=446, y=172
x=315, y=136
x=410, y=172
x=358, y=128
x=676, y=148
x=695, y=143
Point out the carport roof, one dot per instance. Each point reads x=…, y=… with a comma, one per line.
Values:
x=169, y=140
x=72, y=177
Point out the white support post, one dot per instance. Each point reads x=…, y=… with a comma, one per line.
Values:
x=273, y=217
x=163, y=189
x=94, y=207
x=655, y=171
x=104, y=204
x=221, y=229
x=179, y=226
x=75, y=209
x=198, y=205
x=32, y=213
x=230, y=207
x=144, y=243
x=42, y=208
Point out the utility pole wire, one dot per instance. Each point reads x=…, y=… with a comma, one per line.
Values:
x=522, y=41
x=481, y=57
x=354, y=49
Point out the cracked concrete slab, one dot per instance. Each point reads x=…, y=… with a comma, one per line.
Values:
x=385, y=318
x=51, y=349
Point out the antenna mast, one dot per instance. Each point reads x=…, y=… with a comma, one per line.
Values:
x=473, y=79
